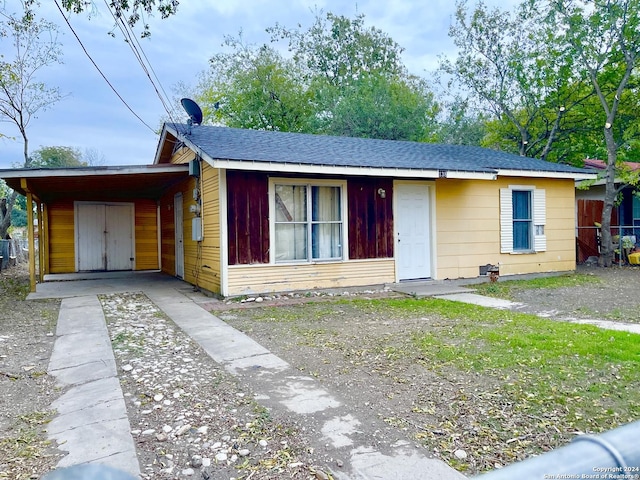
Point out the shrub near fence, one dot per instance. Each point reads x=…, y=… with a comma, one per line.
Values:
x=13, y=251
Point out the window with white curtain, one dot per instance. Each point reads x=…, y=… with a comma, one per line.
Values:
x=308, y=223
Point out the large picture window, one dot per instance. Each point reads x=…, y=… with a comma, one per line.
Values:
x=308, y=222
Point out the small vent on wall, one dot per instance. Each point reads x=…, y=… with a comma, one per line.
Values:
x=442, y=173
x=488, y=269
x=176, y=147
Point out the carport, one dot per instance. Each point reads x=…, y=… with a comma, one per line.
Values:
x=113, y=184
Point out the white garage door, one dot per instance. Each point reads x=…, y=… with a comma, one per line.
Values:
x=104, y=236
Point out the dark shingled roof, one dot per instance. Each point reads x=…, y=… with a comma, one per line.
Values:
x=304, y=149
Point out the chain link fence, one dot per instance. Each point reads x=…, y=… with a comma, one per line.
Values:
x=13, y=251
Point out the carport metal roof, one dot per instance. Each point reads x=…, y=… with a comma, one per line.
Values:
x=139, y=181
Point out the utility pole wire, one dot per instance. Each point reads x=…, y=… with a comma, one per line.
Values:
x=99, y=70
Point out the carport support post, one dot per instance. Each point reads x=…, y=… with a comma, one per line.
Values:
x=32, y=243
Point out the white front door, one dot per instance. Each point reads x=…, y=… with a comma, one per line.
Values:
x=104, y=236
x=179, y=229
x=413, y=232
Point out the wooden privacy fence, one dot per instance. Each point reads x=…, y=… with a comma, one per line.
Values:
x=589, y=213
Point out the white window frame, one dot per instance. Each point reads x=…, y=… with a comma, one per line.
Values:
x=539, y=240
x=307, y=182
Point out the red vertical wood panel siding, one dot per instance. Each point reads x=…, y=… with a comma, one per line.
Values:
x=370, y=218
x=248, y=217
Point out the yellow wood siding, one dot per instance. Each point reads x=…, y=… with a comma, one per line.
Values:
x=202, y=263
x=468, y=228
x=250, y=279
x=61, y=236
x=211, y=255
x=146, y=233
x=183, y=155
x=44, y=233
x=202, y=260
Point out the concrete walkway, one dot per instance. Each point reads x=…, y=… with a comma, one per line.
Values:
x=92, y=423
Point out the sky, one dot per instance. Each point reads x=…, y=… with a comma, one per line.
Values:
x=90, y=117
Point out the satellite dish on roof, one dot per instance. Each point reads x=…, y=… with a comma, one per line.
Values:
x=193, y=110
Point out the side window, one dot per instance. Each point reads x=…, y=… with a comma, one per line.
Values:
x=522, y=219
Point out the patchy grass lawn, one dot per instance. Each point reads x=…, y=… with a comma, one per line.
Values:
x=546, y=376
x=604, y=294
x=507, y=288
x=497, y=385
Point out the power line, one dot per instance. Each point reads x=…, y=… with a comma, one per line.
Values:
x=142, y=59
x=99, y=70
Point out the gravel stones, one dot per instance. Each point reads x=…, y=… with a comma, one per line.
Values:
x=189, y=418
x=316, y=294
x=460, y=454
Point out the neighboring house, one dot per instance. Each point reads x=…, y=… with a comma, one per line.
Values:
x=243, y=212
x=625, y=217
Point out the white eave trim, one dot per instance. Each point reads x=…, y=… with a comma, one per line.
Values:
x=544, y=174
x=278, y=167
x=459, y=175
x=91, y=171
x=163, y=138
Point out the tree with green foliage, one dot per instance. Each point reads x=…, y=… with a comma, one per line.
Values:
x=343, y=79
x=510, y=70
x=572, y=139
x=35, y=47
x=460, y=124
x=254, y=87
x=384, y=107
x=18, y=217
x=357, y=80
x=132, y=11
x=338, y=49
x=603, y=38
x=57, y=157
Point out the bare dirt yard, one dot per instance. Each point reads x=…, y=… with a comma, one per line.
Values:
x=386, y=358
x=26, y=391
